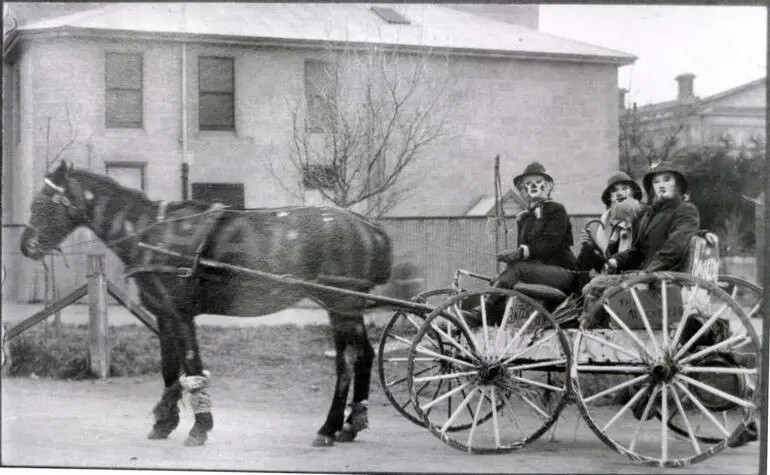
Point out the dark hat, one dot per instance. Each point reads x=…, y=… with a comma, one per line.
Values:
x=665, y=168
x=534, y=168
x=620, y=177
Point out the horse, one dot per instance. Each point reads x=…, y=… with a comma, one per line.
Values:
x=327, y=245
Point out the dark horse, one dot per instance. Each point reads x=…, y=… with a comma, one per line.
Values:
x=320, y=244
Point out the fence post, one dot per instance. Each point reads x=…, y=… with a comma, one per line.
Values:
x=759, y=229
x=99, y=351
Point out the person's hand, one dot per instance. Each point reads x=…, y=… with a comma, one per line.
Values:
x=509, y=257
x=611, y=267
x=584, y=237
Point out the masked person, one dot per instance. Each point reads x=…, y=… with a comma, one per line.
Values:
x=622, y=200
x=543, y=254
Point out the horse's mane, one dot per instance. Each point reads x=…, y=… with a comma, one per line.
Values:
x=108, y=184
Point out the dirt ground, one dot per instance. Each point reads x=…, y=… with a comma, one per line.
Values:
x=103, y=424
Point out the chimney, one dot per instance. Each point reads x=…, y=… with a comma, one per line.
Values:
x=622, y=98
x=686, y=90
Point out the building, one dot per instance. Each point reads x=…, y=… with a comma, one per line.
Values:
x=735, y=116
x=190, y=99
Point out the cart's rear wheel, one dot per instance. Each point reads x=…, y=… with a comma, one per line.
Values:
x=749, y=297
x=393, y=351
x=690, y=386
x=508, y=370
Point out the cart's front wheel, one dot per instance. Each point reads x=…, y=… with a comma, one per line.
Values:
x=674, y=378
x=502, y=378
x=397, y=337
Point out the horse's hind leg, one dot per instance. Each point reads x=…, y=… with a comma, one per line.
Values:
x=358, y=419
x=166, y=412
x=196, y=383
x=343, y=329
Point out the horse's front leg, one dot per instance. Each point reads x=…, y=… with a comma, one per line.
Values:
x=358, y=419
x=196, y=382
x=166, y=412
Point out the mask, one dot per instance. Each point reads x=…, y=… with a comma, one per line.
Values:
x=535, y=187
x=620, y=193
x=664, y=186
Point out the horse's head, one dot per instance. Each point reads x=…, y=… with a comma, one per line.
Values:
x=57, y=209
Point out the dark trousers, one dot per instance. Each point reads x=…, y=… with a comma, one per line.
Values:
x=537, y=273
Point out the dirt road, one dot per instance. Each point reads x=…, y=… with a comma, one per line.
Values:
x=104, y=423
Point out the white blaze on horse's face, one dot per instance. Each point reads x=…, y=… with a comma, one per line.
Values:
x=664, y=185
x=535, y=187
x=620, y=193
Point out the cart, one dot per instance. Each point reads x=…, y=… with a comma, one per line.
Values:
x=667, y=375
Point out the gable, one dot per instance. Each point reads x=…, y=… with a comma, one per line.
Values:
x=754, y=96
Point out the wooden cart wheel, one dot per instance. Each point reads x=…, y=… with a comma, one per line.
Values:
x=749, y=297
x=393, y=350
x=685, y=377
x=502, y=378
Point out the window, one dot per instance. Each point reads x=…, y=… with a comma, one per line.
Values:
x=320, y=95
x=216, y=84
x=230, y=194
x=128, y=174
x=123, y=90
x=315, y=177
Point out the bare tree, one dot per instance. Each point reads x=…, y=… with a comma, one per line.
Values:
x=650, y=137
x=367, y=115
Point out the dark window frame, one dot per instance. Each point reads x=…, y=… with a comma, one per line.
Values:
x=317, y=106
x=113, y=122
x=230, y=127
x=196, y=191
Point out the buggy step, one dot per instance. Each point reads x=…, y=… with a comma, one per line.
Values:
x=540, y=292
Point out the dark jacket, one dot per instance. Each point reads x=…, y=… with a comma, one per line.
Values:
x=661, y=238
x=548, y=237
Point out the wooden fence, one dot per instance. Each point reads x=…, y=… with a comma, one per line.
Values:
x=436, y=246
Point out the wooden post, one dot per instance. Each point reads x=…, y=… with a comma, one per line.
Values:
x=759, y=229
x=99, y=351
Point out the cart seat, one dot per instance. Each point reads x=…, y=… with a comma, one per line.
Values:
x=541, y=292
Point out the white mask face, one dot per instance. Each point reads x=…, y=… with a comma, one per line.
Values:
x=620, y=193
x=664, y=185
x=535, y=187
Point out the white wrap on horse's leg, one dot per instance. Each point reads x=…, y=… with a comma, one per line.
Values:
x=197, y=388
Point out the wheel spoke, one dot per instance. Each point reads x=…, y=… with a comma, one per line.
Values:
x=716, y=392
x=718, y=369
x=703, y=329
x=495, y=422
x=458, y=315
x=703, y=410
x=663, y=426
x=521, y=330
x=641, y=420
x=625, y=328
x=424, y=351
x=713, y=348
x=444, y=396
x=476, y=416
x=450, y=340
x=664, y=317
x=506, y=314
x=538, y=384
x=645, y=320
x=754, y=310
x=403, y=379
x=680, y=409
x=623, y=409
x=484, y=325
x=457, y=411
x=437, y=377
x=535, y=407
x=514, y=417
x=610, y=344
x=617, y=387
x=527, y=349
x=404, y=359
x=614, y=369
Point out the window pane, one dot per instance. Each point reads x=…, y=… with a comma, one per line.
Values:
x=216, y=112
x=320, y=94
x=215, y=74
x=124, y=71
x=131, y=177
x=124, y=108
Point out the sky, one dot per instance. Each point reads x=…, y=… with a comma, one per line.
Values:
x=724, y=46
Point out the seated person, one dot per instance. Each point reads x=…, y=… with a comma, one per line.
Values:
x=543, y=254
x=622, y=200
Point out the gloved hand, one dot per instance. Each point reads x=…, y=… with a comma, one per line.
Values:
x=611, y=267
x=509, y=256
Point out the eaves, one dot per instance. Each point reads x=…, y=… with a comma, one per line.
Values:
x=227, y=40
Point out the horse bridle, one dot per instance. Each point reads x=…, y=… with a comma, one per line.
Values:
x=58, y=196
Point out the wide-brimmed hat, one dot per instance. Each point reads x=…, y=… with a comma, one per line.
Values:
x=678, y=176
x=534, y=168
x=617, y=178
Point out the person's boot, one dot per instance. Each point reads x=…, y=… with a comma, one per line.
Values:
x=750, y=434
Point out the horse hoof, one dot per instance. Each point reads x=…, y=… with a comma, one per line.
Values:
x=195, y=440
x=323, y=441
x=155, y=434
x=347, y=434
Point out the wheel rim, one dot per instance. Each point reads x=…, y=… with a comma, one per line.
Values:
x=497, y=398
x=393, y=351
x=679, y=384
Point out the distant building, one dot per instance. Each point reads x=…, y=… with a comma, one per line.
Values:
x=735, y=116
